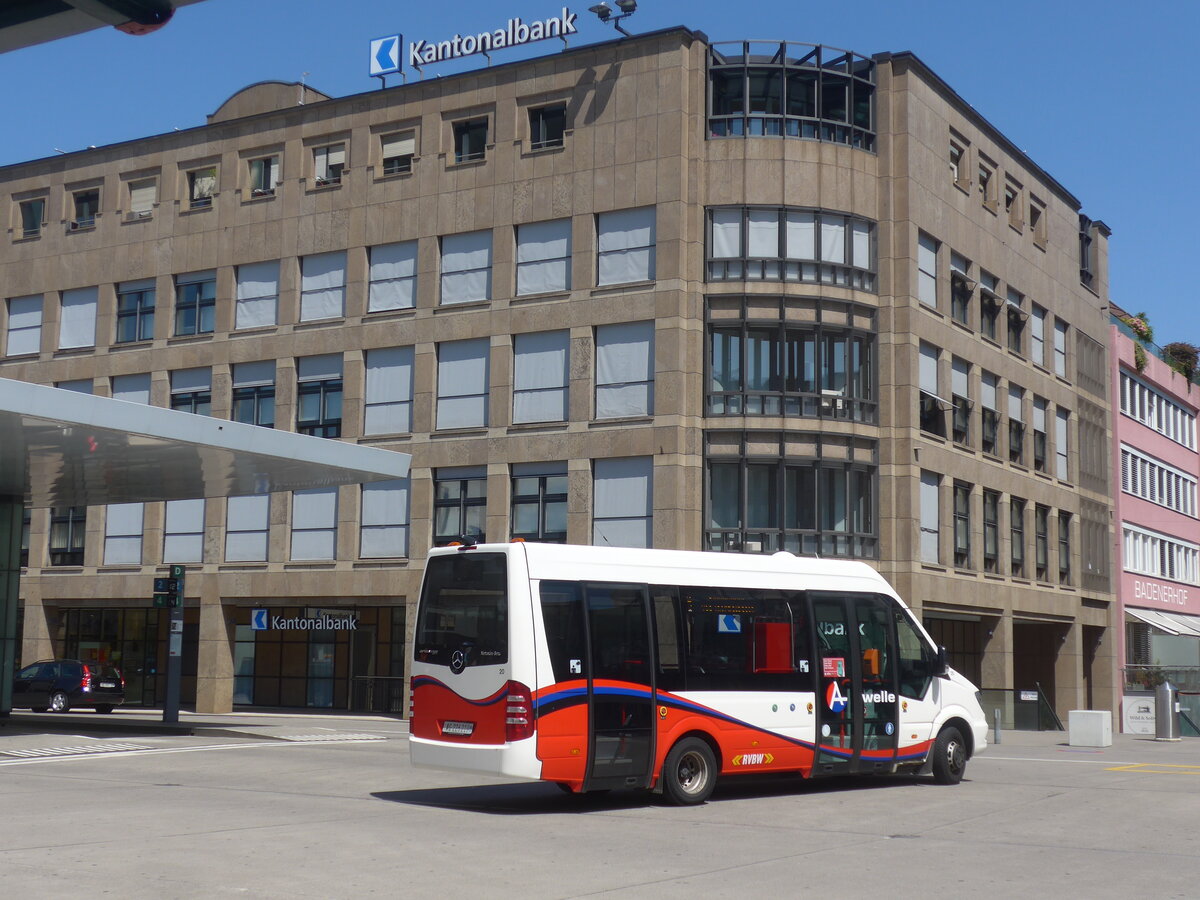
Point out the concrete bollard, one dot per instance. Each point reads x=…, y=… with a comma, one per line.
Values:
x=1166, y=713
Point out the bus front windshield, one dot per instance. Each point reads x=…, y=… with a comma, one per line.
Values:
x=464, y=611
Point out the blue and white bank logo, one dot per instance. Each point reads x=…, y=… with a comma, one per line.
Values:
x=259, y=620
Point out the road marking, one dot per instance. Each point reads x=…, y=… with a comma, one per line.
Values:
x=318, y=738
x=152, y=751
x=1156, y=769
x=82, y=749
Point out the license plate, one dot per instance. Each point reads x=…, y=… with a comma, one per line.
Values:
x=458, y=728
x=108, y=684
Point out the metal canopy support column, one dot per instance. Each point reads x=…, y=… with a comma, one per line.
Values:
x=11, y=509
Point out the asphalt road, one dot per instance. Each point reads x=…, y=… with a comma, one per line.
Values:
x=313, y=807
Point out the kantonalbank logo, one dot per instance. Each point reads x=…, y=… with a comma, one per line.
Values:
x=513, y=34
x=753, y=759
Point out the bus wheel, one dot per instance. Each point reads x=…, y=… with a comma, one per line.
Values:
x=690, y=772
x=949, y=757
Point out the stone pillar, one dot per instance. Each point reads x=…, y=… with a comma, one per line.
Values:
x=214, y=658
x=997, y=666
x=11, y=509
x=1068, y=671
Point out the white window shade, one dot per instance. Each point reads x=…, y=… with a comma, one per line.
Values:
x=77, y=326
x=544, y=257
x=393, y=277
x=466, y=267
x=626, y=246
x=323, y=286
x=183, y=532
x=314, y=524
x=196, y=277
x=763, y=234
x=132, y=388
x=625, y=370
x=123, y=534
x=987, y=391
x=384, y=531
x=143, y=195
x=319, y=368
x=930, y=517
x=463, y=383
x=247, y=525
x=254, y=374
x=929, y=369
x=257, y=294
x=1039, y=414
x=726, y=233
x=24, y=325
x=185, y=381
x=388, y=403
x=927, y=270
x=833, y=239
x=860, y=242
x=203, y=183
x=401, y=144
x=623, y=502
x=960, y=378
x=540, y=377
x=801, y=235
x=326, y=158
x=1015, y=400
x=79, y=386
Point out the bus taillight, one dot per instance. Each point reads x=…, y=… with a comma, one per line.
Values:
x=518, y=713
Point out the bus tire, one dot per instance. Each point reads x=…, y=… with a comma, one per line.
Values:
x=689, y=773
x=949, y=756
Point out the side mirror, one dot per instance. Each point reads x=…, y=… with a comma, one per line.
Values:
x=941, y=667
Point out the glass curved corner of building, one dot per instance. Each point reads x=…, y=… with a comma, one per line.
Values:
x=791, y=90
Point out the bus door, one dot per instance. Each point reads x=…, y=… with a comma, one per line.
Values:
x=620, y=676
x=856, y=667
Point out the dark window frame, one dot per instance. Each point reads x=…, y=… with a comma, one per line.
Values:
x=471, y=139
x=547, y=126
x=135, y=315
x=463, y=502
x=195, y=301
x=69, y=522
x=328, y=391
x=541, y=498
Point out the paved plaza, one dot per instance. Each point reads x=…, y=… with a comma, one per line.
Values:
x=319, y=807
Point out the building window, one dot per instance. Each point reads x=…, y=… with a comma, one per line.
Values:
x=387, y=406
x=459, y=504
x=191, y=391
x=1041, y=541
x=1016, y=321
x=544, y=257
x=794, y=371
x=462, y=398
x=397, y=151
x=470, y=140
x=961, y=289
x=927, y=269
x=1087, y=251
x=1037, y=221
x=989, y=304
x=254, y=393
x=314, y=524
x=987, y=184
x=319, y=395
x=788, y=244
x=960, y=396
x=1016, y=425
x=143, y=196
x=77, y=319
x=123, y=534
x=33, y=216
x=393, y=277
x=24, y=326
x=1061, y=421
x=930, y=517
x=791, y=90
x=466, y=267
x=624, y=370
x=67, y=529
x=86, y=206
x=1158, y=555
x=132, y=388
x=183, y=532
x=623, y=502
x=328, y=164
x=989, y=431
x=26, y=523
x=1016, y=533
x=1060, y=348
x=247, y=528
x=962, y=525
x=626, y=246
x=540, y=377
x=1037, y=335
x=78, y=386
x=1013, y=206
x=932, y=408
x=264, y=176
x=1064, y=547
x=1157, y=412
x=1145, y=477
x=195, y=303
x=547, y=125
x=257, y=294
x=991, y=531
x=1039, y=434
x=323, y=286
x=957, y=161
x=539, y=502
x=135, y=311
x=202, y=187
x=384, y=521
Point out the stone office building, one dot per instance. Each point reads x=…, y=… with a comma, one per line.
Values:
x=666, y=291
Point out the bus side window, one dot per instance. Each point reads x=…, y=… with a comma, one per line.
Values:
x=666, y=616
x=916, y=658
x=562, y=616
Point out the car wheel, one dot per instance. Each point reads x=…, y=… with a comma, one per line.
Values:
x=105, y=708
x=949, y=757
x=689, y=773
x=60, y=702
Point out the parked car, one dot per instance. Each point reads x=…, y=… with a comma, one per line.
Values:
x=60, y=684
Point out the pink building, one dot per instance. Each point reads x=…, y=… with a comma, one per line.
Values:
x=1157, y=532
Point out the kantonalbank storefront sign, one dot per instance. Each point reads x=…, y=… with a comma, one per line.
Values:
x=385, y=51
x=262, y=620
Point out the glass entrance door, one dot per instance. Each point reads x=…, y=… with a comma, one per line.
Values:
x=856, y=701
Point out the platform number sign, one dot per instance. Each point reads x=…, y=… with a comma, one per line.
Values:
x=168, y=592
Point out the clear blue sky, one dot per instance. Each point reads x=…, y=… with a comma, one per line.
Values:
x=1102, y=95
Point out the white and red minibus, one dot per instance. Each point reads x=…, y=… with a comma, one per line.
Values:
x=605, y=667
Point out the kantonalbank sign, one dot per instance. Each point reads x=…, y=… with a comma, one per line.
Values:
x=385, y=57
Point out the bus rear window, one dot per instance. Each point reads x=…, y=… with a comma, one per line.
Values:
x=464, y=609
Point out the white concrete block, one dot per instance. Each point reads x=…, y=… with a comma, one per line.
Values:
x=1089, y=728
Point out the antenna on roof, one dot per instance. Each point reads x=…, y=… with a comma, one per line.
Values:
x=303, y=75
